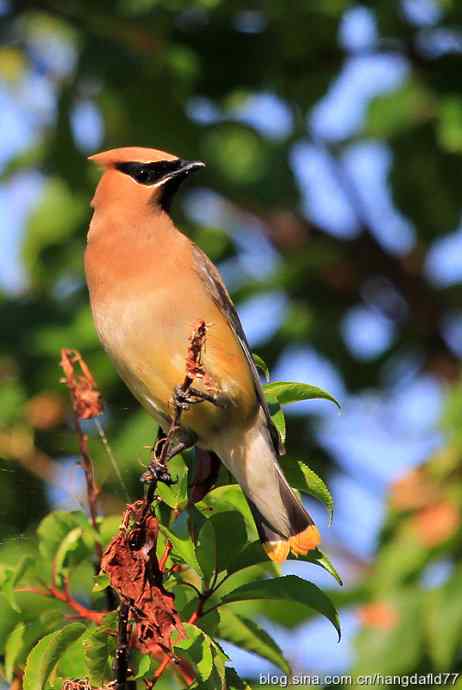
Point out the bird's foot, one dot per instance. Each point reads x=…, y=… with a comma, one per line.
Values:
x=157, y=472
x=193, y=396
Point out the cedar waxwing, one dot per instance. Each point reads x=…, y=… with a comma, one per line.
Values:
x=149, y=286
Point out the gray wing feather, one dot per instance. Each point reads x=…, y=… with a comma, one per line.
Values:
x=214, y=283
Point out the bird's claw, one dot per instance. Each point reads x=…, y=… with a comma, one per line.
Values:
x=157, y=472
x=183, y=399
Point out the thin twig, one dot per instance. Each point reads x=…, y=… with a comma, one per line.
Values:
x=86, y=404
x=111, y=457
x=165, y=555
x=66, y=597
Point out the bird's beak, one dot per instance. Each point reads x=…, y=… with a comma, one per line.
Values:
x=187, y=167
x=180, y=170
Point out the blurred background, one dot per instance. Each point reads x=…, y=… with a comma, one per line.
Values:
x=331, y=202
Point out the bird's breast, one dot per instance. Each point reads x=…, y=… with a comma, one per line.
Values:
x=145, y=321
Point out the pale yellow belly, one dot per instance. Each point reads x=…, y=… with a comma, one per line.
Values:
x=148, y=341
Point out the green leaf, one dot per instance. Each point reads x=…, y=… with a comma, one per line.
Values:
x=46, y=654
x=13, y=649
x=68, y=544
x=142, y=664
x=206, y=550
x=195, y=646
x=221, y=538
x=228, y=498
x=234, y=682
x=54, y=528
x=317, y=557
x=11, y=579
x=262, y=365
x=101, y=582
x=303, y=478
x=289, y=588
x=277, y=415
x=246, y=634
x=291, y=391
x=183, y=549
x=176, y=495
x=97, y=648
x=252, y=554
x=20, y=642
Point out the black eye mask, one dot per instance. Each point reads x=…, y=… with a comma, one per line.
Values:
x=150, y=173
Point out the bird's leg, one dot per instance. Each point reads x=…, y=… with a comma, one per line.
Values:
x=193, y=396
x=177, y=437
x=166, y=447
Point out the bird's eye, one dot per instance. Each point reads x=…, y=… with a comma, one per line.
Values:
x=149, y=173
x=143, y=175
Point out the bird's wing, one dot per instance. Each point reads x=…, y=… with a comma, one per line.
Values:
x=214, y=284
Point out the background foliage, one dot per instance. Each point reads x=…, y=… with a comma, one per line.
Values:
x=332, y=134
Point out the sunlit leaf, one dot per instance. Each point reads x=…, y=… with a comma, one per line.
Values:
x=291, y=391
x=97, y=648
x=46, y=654
x=289, y=588
x=303, y=478
x=262, y=365
x=246, y=634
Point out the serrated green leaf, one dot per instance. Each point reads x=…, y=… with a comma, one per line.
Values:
x=262, y=365
x=289, y=588
x=45, y=655
x=246, y=634
x=317, y=557
x=303, y=478
x=290, y=391
x=254, y=554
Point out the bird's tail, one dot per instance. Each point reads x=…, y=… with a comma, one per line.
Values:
x=282, y=522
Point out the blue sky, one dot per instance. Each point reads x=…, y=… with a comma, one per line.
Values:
x=379, y=434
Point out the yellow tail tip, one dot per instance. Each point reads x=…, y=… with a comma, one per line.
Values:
x=305, y=541
x=278, y=551
x=299, y=544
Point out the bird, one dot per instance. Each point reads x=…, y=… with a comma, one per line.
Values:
x=149, y=284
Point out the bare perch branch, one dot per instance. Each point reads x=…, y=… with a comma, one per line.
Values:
x=131, y=561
